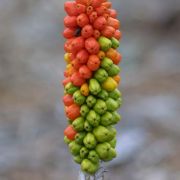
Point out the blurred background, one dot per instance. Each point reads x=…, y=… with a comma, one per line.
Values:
x=31, y=111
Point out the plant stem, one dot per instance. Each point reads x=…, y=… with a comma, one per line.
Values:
x=98, y=176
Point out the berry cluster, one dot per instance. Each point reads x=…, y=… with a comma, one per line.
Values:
x=91, y=96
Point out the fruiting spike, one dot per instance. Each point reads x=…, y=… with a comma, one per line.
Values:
x=91, y=96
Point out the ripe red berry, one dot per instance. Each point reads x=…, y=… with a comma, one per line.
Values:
x=67, y=45
x=108, y=32
x=73, y=111
x=87, y=31
x=93, y=62
x=93, y=16
x=113, y=13
x=89, y=10
x=69, y=33
x=76, y=64
x=97, y=34
x=66, y=81
x=96, y=3
x=70, y=8
x=70, y=21
x=82, y=20
x=77, y=44
x=101, y=10
x=80, y=8
x=84, y=2
x=85, y=72
x=92, y=45
x=100, y=23
x=68, y=100
x=82, y=56
x=77, y=80
x=70, y=132
x=118, y=34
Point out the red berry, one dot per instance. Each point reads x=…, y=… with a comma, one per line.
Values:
x=108, y=31
x=81, y=8
x=84, y=2
x=118, y=59
x=89, y=10
x=82, y=20
x=113, y=13
x=72, y=56
x=67, y=45
x=76, y=64
x=69, y=33
x=93, y=62
x=77, y=44
x=85, y=72
x=92, y=45
x=70, y=8
x=77, y=80
x=106, y=16
x=97, y=34
x=70, y=132
x=113, y=22
x=101, y=10
x=70, y=21
x=87, y=31
x=68, y=100
x=100, y=23
x=66, y=81
x=107, y=4
x=93, y=16
x=118, y=34
x=96, y=3
x=82, y=56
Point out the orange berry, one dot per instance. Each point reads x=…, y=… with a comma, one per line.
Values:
x=117, y=79
x=112, y=54
x=85, y=89
x=113, y=22
x=107, y=4
x=93, y=62
x=106, y=15
x=108, y=31
x=118, y=59
x=101, y=54
x=101, y=10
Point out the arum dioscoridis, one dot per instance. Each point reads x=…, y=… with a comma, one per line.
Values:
x=91, y=96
